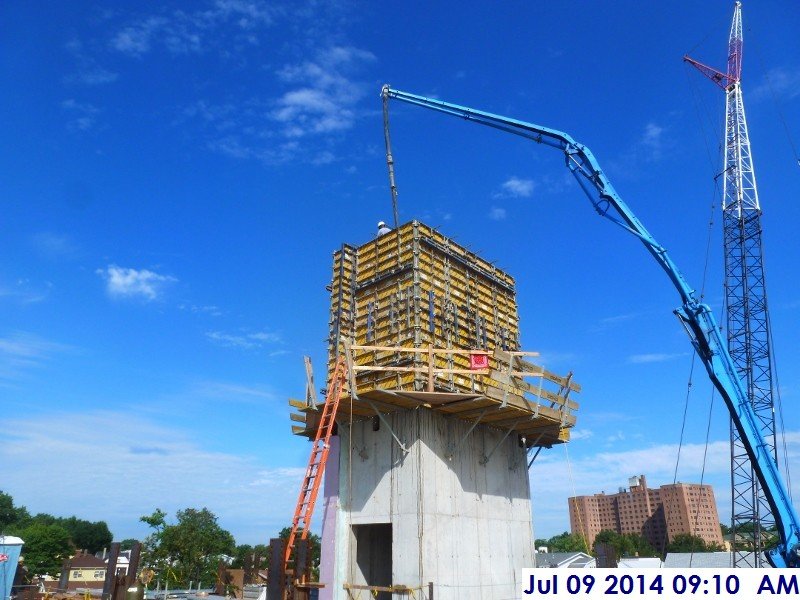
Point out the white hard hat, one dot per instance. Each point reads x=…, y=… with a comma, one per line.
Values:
x=381, y=224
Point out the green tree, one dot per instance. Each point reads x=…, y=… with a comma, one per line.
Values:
x=189, y=550
x=46, y=547
x=84, y=535
x=626, y=544
x=44, y=519
x=10, y=515
x=607, y=536
x=127, y=543
x=685, y=542
x=634, y=544
x=315, y=544
x=567, y=542
x=87, y=535
x=245, y=550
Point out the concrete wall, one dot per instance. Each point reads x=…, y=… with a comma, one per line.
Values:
x=463, y=525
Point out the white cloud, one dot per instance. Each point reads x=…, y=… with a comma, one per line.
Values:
x=497, y=213
x=651, y=142
x=223, y=26
x=135, y=39
x=622, y=320
x=25, y=292
x=556, y=359
x=211, y=310
x=164, y=467
x=246, y=341
x=89, y=72
x=53, y=245
x=95, y=76
x=649, y=147
x=606, y=321
x=639, y=359
x=82, y=114
x=322, y=100
x=132, y=283
x=556, y=475
x=325, y=98
x=324, y=158
x=782, y=82
x=245, y=12
x=516, y=187
x=580, y=434
x=233, y=391
x=22, y=351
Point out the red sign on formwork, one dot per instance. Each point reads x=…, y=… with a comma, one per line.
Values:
x=478, y=361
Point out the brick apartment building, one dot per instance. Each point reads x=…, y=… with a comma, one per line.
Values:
x=656, y=514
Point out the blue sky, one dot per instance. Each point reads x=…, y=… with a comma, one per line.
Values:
x=176, y=176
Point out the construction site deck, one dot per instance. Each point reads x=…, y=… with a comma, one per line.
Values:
x=427, y=324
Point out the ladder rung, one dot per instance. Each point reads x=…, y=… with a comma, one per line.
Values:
x=316, y=462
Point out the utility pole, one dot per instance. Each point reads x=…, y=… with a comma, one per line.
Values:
x=748, y=331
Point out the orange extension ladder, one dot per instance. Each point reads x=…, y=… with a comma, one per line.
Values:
x=301, y=521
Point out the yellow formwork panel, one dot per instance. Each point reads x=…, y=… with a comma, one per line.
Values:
x=414, y=286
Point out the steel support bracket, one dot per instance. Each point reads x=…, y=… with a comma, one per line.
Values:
x=538, y=449
x=388, y=426
x=452, y=447
x=486, y=457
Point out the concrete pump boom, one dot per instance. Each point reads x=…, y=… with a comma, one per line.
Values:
x=697, y=318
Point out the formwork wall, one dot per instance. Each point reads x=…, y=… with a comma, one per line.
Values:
x=414, y=287
x=456, y=520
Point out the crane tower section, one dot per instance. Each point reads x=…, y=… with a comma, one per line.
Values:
x=748, y=331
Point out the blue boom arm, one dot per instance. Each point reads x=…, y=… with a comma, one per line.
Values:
x=697, y=318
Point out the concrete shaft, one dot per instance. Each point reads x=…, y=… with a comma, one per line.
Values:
x=434, y=514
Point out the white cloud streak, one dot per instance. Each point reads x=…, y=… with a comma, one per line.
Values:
x=89, y=72
x=325, y=96
x=163, y=466
x=497, y=213
x=82, y=115
x=54, y=246
x=245, y=341
x=303, y=122
x=780, y=82
x=24, y=292
x=596, y=472
x=651, y=143
x=181, y=32
x=132, y=283
x=516, y=187
x=639, y=359
x=21, y=351
x=233, y=391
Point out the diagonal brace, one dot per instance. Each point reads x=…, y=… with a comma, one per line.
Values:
x=485, y=459
x=451, y=447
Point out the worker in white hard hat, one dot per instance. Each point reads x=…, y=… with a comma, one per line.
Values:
x=382, y=228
